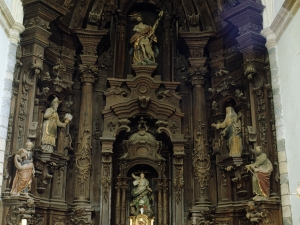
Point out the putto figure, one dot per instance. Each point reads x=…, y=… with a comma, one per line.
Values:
x=142, y=40
x=25, y=170
x=261, y=170
x=232, y=132
x=50, y=125
x=141, y=194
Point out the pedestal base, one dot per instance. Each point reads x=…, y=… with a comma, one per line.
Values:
x=142, y=70
x=141, y=219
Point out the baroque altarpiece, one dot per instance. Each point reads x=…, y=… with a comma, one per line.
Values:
x=142, y=112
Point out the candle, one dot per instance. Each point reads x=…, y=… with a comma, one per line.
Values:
x=130, y=221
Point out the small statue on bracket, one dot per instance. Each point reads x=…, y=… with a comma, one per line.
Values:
x=25, y=170
x=50, y=125
x=261, y=170
x=232, y=132
x=142, y=40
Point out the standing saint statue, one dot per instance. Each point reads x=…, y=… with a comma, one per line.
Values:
x=50, y=125
x=25, y=170
x=142, y=40
x=231, y=132
x=261, y=170
x=141, y=194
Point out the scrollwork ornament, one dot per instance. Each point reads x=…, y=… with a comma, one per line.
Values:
x=201, y=161
x=83, y=159
x=24, y=210
x=258, y=215
x=206, y=218
x=178, y=184
x=78, y=217
x=106, y=182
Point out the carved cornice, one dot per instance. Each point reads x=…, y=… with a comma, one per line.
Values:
x=35, y=8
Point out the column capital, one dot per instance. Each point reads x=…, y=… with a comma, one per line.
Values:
x=87, y=73
x=197, y=76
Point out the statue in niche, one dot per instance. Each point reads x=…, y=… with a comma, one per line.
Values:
x=25, y=170
x=50, y=125
x=261, y=170
x=231, y=132
x=142, y=196
x=142, y=40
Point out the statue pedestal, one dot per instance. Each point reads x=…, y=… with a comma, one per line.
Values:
x=141, y=219
x=144, y=70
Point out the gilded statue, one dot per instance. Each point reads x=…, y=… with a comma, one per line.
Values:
x=25, y=170
x=51, y=122
x=142, y=195
x=231, y=132
x=261, y=170
x=142, y=40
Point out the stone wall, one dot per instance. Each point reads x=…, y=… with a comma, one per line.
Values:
x=281, y=32
x=11, y=18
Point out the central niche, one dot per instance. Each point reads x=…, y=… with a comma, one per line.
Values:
x=142, y=165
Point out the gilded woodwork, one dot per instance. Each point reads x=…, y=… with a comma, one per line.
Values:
x=152, y=118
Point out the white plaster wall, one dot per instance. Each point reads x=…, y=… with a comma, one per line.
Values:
x=288, y=56
x=277, y=5
x=4, y=46
x=11, y=18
